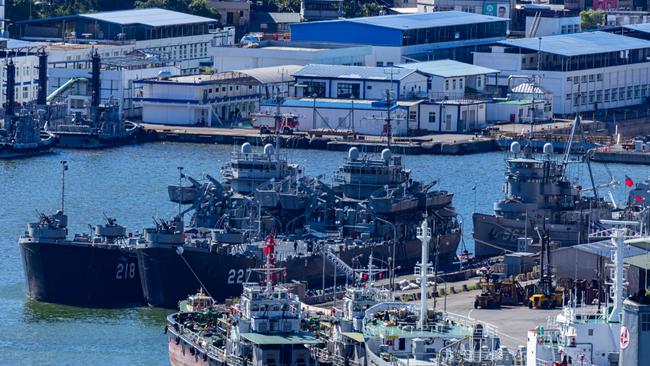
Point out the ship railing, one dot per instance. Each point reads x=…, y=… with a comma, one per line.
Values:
x=217, y=352
x=488, y=329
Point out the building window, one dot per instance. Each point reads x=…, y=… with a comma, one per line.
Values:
x=599, y=96
x=347, y=90
x=314, y=87
x=446, y=84
x=568, y=79
x=453, y=83
x=568, y=96
x=591, y=96
x=576, y=99
x=584, y=78
x=591, y=78
x=460, y=84
x=599, y=77
x=614, y=95
x=479, y=81
x=432, y=117
x=380, y=63
x=629, y=92
x=637, y=91
x=576, y=79
x=645, y=322
x=606, y=96
x=413, y=115
x=390, y=63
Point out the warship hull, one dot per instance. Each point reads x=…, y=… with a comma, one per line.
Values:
x=81, y=274
x=495, y=235
x=168, y=277
x=184, y=351
x=71, y=140
x=16, y=151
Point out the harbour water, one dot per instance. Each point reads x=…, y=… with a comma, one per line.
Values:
x=129, y=183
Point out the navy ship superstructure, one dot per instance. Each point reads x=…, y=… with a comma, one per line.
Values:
x=537, y=190
x=102, y=127
x=20, y=135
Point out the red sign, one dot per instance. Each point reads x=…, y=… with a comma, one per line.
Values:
x=625, y=337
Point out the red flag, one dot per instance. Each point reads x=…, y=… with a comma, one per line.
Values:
x=628, y=181
x=267, y=250
x=380, y=275
x=638, y=198
x=365, y=277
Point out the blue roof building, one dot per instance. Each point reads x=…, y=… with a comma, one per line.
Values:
x=438, y=35
x=403, y=29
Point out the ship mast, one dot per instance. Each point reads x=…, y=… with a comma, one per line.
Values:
x=64, y=167
x=424, y=235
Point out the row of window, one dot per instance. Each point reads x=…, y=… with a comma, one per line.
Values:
x=585, y=78
x=454, y=85
x=609, y=95
x=571, y=28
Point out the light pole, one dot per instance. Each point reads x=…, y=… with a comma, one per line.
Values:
x=392, y=263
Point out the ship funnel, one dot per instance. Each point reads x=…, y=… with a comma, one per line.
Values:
x=41, y=96
x=246, y=148
x=95, y=80
x=269, y=149
x=548, y=148
x=386, y=155
x=11, y=88
x=353, y=153
x=515, y=147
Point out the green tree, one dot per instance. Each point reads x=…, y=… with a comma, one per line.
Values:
x=370, y=9
x=590, y=19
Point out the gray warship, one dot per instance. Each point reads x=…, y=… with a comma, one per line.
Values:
x=103, y=126
x=317, y=225
x=538, y=189
x=96, y=270
x=20, y=135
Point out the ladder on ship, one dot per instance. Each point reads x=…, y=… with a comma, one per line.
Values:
x=339, y=263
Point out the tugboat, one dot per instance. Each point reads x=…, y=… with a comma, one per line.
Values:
x=538, y=189
x=96, y=270
x=265, y=327
x=412, y=334
x=102, y=129
x=20, y=135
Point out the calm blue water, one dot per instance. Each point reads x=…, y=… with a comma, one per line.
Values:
x=130, y=183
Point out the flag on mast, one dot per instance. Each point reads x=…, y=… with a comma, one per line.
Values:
x=628, y=181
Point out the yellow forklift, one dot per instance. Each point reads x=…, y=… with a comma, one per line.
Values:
x=545, y=294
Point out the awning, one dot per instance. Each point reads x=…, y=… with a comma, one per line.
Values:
x=354, y=336
x=263, y=339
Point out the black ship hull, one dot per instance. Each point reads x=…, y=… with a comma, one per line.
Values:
x=168, y=277
x=72, y=140
x=81, y=274
x=16, y=151
x=495, y=235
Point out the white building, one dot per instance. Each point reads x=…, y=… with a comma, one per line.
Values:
x=278, y=53
x=583, y=71
x=450, y=79
x=449, y=116
x=185, y=39
x=359, y=82
x=210, y=100
x=23, y=55
x=117, y=81
x=551, y=26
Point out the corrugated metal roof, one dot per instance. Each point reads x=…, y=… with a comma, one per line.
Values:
x=576, y=44
x=153, y=17
x=262, y=339
x=604, y=249
x=272, y=74
x=643, y=27
x=642, y=261
x=527, y=88
x=424, y=20
x=353, y=72
x=285, y=17
x=448, y=68
x=339, y=104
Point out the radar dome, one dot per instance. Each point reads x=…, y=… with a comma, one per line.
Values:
x=515, y=147
x=548, y=148
x=246, y=148
x=386, y=154
x=269, y=149
x=353, y=153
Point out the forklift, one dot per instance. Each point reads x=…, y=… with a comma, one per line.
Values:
x=490, y=296
x=546, y=295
